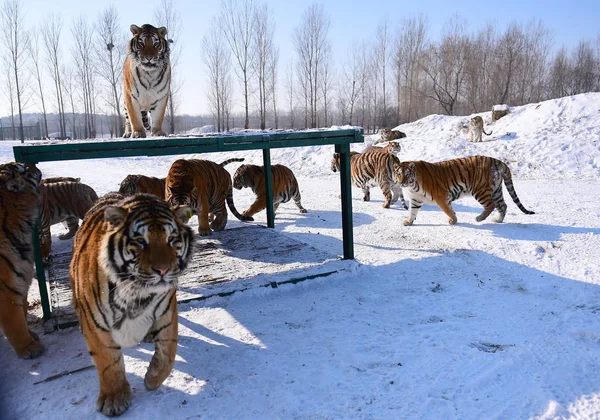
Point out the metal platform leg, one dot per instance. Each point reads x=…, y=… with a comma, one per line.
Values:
x=347, y=232
x=269, y=187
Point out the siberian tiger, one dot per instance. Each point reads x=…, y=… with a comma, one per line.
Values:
x=146, y=80
x=476, y=128
x=371, y=169
x=204, y=186
x=389, y=135
x=391, y=147
x=444, y=182
x=19, y=204
x=63, y=202
x=285, y=186
x=127, y=257
x=133, y=184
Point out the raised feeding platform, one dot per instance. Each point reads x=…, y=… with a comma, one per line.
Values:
x=226, y=262
x=265, y=141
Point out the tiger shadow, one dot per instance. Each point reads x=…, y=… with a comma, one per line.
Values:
x=531, y=231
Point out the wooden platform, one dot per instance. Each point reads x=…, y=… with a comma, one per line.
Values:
x=232, y=260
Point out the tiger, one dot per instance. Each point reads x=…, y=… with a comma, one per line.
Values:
x=60, y=179
x=285, y=187
x=370, y=169
x=391, y=147
x=205, y=186
x=65, y=202
x=444, y=182
x=133, y=184
x=389, y=135
x=19, y=208
x=146, y=80
x=127, y=257
x=476, y=128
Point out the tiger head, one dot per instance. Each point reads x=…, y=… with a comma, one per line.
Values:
x=242, y=177
x=405, y=174
x=394, y=147
x=146, y=241
x=182, y=196
x=18, y=177
x=149, y=45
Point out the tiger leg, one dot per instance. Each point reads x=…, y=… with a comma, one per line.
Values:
x=115, y=393
x=413, y=210
x=447, y=208
x=220, y=218
x=127, y=132
x=134, y=112
x=259, y=204
x=397, y=191
x=387, y=193
x=500, y=204
x=45, y=244
x=158, y=114
x=72, y=223
x=164, y=337
x=366, y=194
x=203, y=227
x=13, y=321
x=298, y=203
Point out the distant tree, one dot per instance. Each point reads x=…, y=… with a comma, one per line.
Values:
x=14, y=39
x=84, y=58
x=239, y=26
x=559, y=75
x=263, y=46
x=33, y=48
x=273, y=62
x=167, y=15
x=382, y=51
x=10, y=93
x=290, y=92
x=312, y=46
x=217, y=60
x=51, y=31
x=110, y=53
x=584, y=67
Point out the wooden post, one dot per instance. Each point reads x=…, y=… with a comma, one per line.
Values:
x=269, y=187
x=345, y=180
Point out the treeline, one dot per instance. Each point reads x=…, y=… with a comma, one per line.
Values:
x=399, y=73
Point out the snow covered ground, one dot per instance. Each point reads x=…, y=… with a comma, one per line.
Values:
x=476, y=320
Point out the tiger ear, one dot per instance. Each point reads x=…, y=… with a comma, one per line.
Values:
x=411, y=165
x=162, y=31
x=194, y=191
x=135, y=29
x=115, y=215
x=183, y=213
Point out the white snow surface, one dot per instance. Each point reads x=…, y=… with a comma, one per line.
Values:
x=476, y=320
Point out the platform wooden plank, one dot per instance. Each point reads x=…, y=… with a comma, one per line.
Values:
x=232, y=260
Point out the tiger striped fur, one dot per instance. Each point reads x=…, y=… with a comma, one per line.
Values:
x=133, y=184
x=19, y=207
x=285, y=187
x=65, y=202
x=127, y=257
x=60, y=179
x=371, y=169
x=391, y=147
x=205, y=186
x=443, y=182
x=389, y=135
x=146, y=80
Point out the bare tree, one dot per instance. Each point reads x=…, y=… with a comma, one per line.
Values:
x=70, y=87
x=217, y=60
x=85, y=64
x=261, y=64
x=410, y=46
x=33, y=47
x=166, y=15
x=560, y=70
x=110, y=53
x=584, y=67
x=312, y=46
x=382, y=51
x=238, y=23
x=51, y=31
x=10, y=93
x=290, y=92
x=273, y=62
x=352, y=86
x=14, y=39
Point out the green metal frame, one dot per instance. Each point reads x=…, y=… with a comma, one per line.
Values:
x=188, y=145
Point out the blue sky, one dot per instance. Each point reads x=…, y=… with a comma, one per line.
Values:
x=352, y=21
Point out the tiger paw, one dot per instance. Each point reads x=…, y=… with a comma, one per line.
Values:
x=138, y=134
x=407, y=223
x=204, y=232
x=31, y=351
x=303, y=211
x=114, y=403
x=452, y=221
x=126, y=135
x=159, y=133
x=386, y=205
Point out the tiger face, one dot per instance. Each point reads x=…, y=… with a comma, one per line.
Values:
x=154, y=240
x=16, y=177
x=404, y=174
x=182, y=197
x=240, y=178
x=149, y=45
